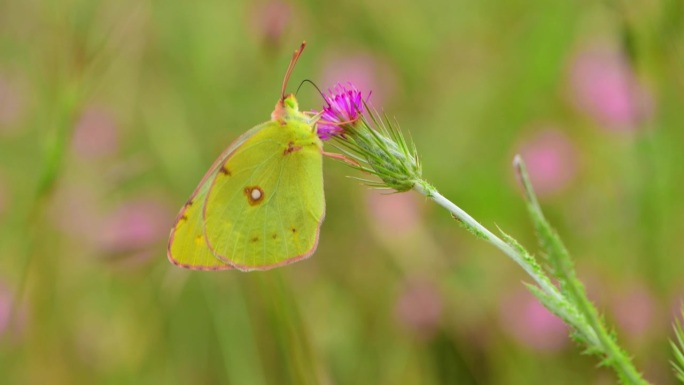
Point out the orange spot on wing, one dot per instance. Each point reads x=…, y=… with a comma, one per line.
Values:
x=224, y=170
x=291, y=148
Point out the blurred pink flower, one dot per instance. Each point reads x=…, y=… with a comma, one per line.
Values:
x=270, y=20
x=5, y=310
x=635, y=309
x=525, y=319
x=396, y=215
x=551, y=160
x=361, y=69
x=604, y=86
x=11, y=103
x=96, y=134
x=419, y=307
x=135, y=225
x=6, y=304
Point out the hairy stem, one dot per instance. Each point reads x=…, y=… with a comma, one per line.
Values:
x=458, y=213
x=578, y=312
x=564, y=271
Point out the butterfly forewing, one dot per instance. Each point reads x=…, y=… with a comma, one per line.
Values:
x=266, y=203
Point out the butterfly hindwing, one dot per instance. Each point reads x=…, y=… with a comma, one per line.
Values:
x=188, y=246
x=266, y=203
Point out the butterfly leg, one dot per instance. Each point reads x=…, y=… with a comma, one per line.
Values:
x=341, y=157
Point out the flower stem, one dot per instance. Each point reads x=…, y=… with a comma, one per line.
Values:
x=577, y=311
x=565, y=273
x=458, y=213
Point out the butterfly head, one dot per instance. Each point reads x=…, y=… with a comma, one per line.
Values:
x=290, y=103
x=286, y=109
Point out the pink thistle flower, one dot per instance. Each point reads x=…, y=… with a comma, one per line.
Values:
x=381, y=150
x=345, y=106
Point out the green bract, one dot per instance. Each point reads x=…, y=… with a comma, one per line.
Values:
x=381, y=149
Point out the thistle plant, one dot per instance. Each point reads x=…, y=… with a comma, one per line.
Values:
x=378, y=148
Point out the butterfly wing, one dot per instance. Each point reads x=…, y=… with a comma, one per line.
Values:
x=187, y=244
x=266, y=204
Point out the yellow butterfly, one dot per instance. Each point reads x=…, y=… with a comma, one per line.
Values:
x=261, y=203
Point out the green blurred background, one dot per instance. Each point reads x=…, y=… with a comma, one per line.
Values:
x=111, y=112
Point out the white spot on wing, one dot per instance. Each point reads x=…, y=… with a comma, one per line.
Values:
x=256, y=194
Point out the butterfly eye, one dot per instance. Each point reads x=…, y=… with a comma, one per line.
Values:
x=291, y=102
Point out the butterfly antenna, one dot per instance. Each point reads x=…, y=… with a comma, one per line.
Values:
x=290, y=68
x=313, y=84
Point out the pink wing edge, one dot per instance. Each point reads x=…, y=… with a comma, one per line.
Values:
x=225, y=155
